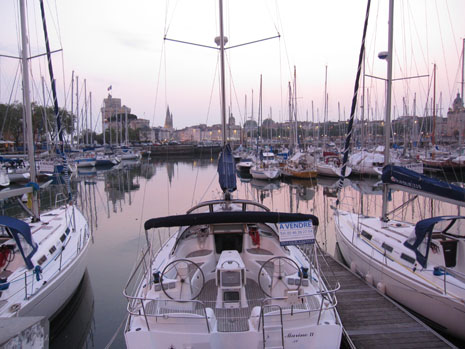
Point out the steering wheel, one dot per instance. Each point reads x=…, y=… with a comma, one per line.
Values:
x=278, y=269
x=188, y=274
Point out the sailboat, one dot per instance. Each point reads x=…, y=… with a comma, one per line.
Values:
x=43, y=258
x=228, y=278
x=422, y=265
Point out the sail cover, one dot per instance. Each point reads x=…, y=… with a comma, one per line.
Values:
x=21, y=232
x=423, y=185
x=227, y=170
x=420, y=240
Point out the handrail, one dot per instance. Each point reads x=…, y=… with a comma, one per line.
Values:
x=179, y=315
x=234, y=201
x=447, y=271
x=333, y=304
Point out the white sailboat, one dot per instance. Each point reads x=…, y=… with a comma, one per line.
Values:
x=422, y=265
x=227, y=280
x=43, y=257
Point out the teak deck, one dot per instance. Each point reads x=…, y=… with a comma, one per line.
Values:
x=371, y=320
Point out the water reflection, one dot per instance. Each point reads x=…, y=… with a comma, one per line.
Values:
x=117, y=201
x=74, y=326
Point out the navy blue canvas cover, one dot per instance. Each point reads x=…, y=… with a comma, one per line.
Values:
x=227, y=170
x=22, y=234
x=404, y=177
x=420, y=241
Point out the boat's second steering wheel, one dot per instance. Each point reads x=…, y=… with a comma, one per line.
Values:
x=189, y=276
x=275, y=271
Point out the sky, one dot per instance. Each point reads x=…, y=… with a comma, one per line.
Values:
x=120, y=44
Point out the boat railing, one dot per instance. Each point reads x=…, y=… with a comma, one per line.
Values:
x=313, y=255
x=157, y=308
x=247, y=205
x=307, y=303
x=445, y=272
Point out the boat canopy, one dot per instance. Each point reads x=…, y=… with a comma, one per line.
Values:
x=227, y=170
x=420, y=240
x=423, y=185
x=21, y=232
x=228, y=217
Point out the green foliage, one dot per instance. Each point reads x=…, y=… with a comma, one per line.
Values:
x=11, y=122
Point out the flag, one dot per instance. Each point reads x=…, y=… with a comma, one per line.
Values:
x=109, y=88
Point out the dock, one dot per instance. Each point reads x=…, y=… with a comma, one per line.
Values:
x=372, y=320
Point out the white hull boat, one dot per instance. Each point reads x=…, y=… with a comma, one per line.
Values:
x=224, y=281
x=259, y=172
x=40, y=281
x=374, y=252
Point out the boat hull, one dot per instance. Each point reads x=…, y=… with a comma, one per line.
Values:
x=446, y=314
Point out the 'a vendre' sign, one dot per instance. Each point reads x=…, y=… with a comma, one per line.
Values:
x=296, y=233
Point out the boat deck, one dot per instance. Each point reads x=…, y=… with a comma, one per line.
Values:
x=372, y=320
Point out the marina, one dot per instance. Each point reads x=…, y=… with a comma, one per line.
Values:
x=110, y=197
x=237, y=230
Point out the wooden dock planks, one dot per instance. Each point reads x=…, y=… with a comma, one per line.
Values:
x=371, y=320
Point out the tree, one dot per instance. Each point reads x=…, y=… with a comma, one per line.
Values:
x=11, y=116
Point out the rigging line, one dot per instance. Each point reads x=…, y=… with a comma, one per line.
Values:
x=168, y=23
x=284, y=41
x=158, y=81
x=208, y=187
x=10, y=98
x=212, y=89
x=443, y=49
x=233, y=88
x=37, y=36
x=452, y=29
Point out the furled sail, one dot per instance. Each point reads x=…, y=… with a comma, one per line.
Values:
x=227, y=170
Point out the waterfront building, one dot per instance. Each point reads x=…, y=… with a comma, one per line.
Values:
x=456, y=119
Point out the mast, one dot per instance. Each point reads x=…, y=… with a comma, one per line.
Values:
x=223, y=88
x=27, y=109
x=72, y=114
x=296, y=135
x=387, y=121
x=77, y=111
x=433, y=133
x=463, y=67
x=325, y=116
x=85, y=109
x=90, y=114
x=291, y=135
x=126, y=125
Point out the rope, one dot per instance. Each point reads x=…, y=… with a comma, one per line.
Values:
x=112, y=339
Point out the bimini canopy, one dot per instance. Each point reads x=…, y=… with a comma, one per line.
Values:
x=412, y=181
x=228, y=217
x=420, y=239
x=21, y=232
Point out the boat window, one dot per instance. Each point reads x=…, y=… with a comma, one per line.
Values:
x=42, y=260
x=228, y=242
x=52, y=249
x=231, y=296
x=407, y=258
x=387, y=247
x=366, y=235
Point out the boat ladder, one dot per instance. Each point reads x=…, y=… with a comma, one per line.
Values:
x=273, y=331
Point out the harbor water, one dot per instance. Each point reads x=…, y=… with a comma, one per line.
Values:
x=118, y=201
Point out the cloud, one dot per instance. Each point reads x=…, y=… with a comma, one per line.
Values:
x=136, y=41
